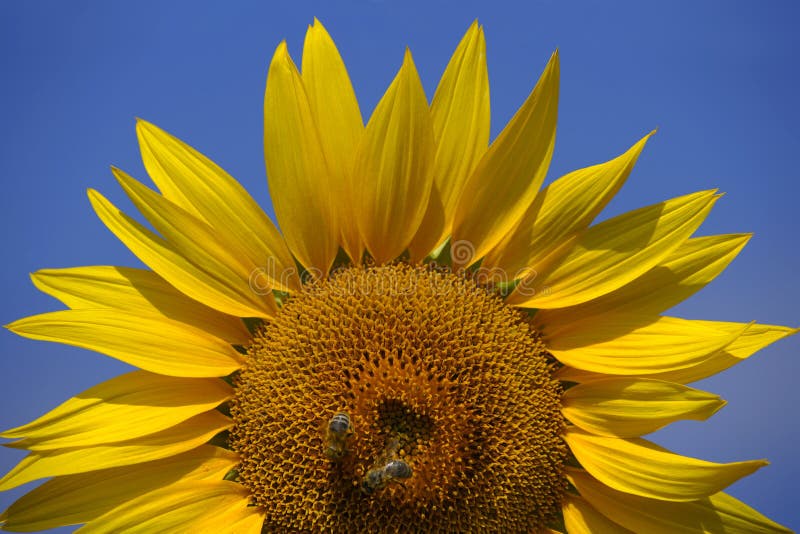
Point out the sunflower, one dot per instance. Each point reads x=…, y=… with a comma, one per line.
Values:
x=431, y=343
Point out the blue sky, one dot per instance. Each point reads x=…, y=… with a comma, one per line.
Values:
x=719, y=80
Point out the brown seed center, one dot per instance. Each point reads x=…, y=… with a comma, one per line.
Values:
x=455, y=417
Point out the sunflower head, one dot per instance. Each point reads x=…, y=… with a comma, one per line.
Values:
x=432, y=341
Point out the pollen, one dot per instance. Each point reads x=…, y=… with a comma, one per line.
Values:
x=454, y=412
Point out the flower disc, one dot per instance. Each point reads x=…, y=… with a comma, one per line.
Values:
x=434, y=373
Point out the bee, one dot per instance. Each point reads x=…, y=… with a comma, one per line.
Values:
x=340, y=428
x=379, y=477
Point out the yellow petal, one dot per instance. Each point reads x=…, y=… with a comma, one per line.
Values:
x=615, y=252
x=136, y=290
x=196, y=506
x=570, y=374
x=300, y=181
x=201, y=281
x=154, y=344
x=560, y=213
x=460, y=115
x=635, y=345
x=75, y=499
x=718, y=513
x=247, y=521
x=181, y=438
x=199, y=186
x=393, y=170
x=508, y=176
x=631, y=407
x=197, y=242
x=755, y=338
x=125, y=407
x=639, y=467
x=581, y=518
x=335, y=110
x=684, y=272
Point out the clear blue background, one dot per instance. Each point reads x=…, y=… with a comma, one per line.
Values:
x=719, y=79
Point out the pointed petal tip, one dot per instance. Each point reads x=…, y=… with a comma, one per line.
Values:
x=639, y=145
x=13, y=326
x=282, y=60
x=281, y=52
x=317, y=30
x=121, y=176
x=475, y=29
x=408, y=67
x=146, y=130
x=553, y=67
x=712, y=194
x=36, y=279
